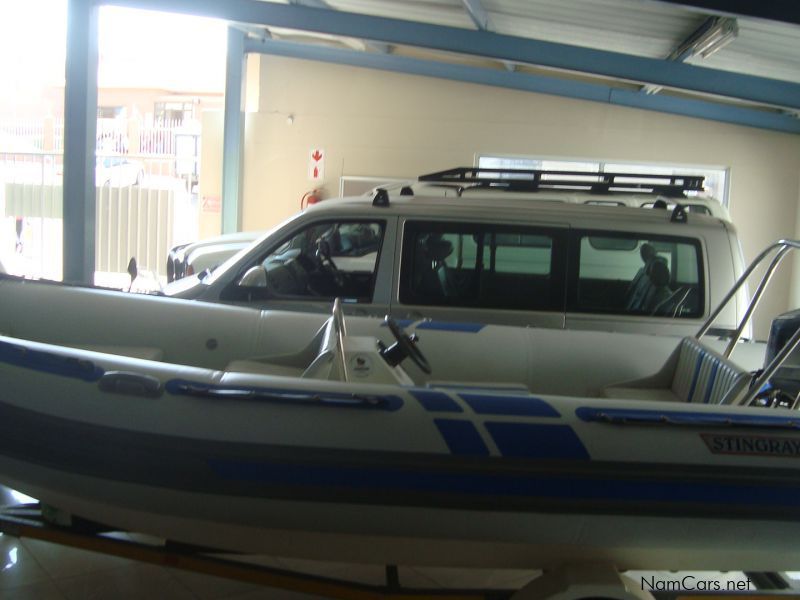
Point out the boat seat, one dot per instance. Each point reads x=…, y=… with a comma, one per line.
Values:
x=256, y=367
x=314, y=361
x=622, y=392
x=144, y=352
x=694, y=373
x=475, y=386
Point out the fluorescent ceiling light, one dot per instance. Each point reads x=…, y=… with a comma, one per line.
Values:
x=712, y=36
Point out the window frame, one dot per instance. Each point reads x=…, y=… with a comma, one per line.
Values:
x=413, y=226
x=234, y=293
x=573, y=270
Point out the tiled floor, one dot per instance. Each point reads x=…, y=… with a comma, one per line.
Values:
x=43, y=571
x=35, y=569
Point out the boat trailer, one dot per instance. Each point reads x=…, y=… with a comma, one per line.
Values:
x=570, y=582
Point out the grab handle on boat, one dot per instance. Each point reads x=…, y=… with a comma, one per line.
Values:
x=130, y=384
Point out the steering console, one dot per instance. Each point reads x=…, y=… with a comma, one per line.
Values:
x=404, y=346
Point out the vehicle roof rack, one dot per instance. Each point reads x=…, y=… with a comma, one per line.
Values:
x=532, y=180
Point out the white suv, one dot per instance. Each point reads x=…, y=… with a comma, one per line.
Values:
x=471, y=251
x=574, y=187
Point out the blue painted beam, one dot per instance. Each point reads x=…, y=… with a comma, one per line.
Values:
x=531, y=83
x=374, y=46
x=233, y=133
x=480, y=18
x=80, y=130
x=492, y=45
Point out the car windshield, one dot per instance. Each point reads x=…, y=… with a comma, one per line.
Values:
x=181, y=285
x=234, y=262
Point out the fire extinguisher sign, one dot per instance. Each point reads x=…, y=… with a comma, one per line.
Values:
x=316, y=164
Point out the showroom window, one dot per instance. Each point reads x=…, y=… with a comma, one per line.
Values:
x=482, y=265
x=716, y=178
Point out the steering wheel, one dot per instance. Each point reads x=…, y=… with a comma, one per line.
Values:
x=324, y=257
x=406, y=346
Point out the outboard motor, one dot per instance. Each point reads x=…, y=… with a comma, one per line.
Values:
x=783, y=388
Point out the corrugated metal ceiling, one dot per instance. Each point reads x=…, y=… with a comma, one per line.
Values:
x=762, y=48
x=634, y=53
x=637, y=27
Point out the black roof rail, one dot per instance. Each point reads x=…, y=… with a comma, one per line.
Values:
x=532, y=180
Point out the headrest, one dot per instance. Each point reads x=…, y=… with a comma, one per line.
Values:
x=438, y=249
x=659, y=273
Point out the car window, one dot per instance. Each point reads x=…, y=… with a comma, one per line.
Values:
x=322, y=260
x=486, y=266
x=637, y=275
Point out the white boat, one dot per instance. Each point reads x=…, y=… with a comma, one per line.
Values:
x=333, y=446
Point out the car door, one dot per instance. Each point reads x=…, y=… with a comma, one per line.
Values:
x=482, y=272
x=307, y=267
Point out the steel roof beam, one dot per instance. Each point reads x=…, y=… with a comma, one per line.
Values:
x=492, y=45
x=531, y=83
x=382, y=48
x=480, y=18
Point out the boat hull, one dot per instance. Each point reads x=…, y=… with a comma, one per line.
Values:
x=401, y=475
x=419, y=535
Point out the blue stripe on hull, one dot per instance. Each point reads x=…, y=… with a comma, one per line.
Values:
x=568, y=488
x=532, y=440
x=509, y=405
x=461, y=437
x=454, y=326
x=434, y=401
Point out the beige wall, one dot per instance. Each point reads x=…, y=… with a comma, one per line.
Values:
x=385, y=124
x=210, y=180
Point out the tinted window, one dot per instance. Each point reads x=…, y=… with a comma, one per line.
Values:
x=637, y=275
x=488, y=266
x=319, y=261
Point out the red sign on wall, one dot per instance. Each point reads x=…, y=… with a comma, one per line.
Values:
x=211, y=204
x=316, y=164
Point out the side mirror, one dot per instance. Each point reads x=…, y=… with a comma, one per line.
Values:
x=133, y=271
x=254, y=277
